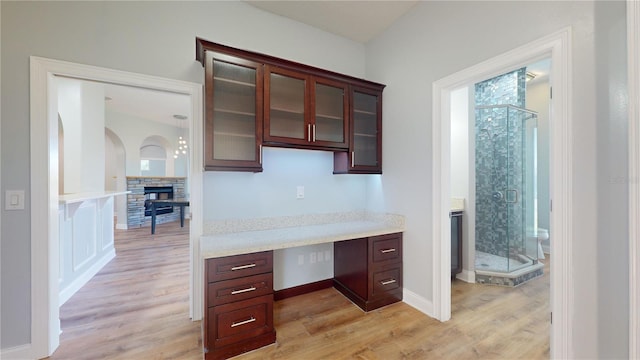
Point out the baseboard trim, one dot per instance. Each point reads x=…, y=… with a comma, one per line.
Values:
x=467, y=276
x=22, y=352
x=418, y=302
x=77, y=284
x=302, y=289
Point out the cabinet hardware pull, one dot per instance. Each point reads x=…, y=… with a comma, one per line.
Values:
x=243, y=267
x=388, y=250
x=243, y=322
x=353, y=158
x=260, y=153
x=387, y=282
x=236, y=292
x=309, y=132
x=314, y=132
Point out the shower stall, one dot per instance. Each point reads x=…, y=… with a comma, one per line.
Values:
x=506, y=209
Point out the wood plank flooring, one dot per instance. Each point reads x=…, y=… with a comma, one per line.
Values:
x=137, y=308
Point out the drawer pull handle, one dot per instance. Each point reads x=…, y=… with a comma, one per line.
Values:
x=243, y=322
x=388, y=250
x=387, y=282
x=236, y=292
x=243, y=267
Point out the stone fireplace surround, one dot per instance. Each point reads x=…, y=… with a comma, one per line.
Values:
x=135, y=200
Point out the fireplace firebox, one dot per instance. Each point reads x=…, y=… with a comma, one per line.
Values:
x=157, y=193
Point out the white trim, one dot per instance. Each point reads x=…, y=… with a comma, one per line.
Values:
x=45, y=326
x=418, y=302
x=120, y=226
x=633, y=64
x=558, y=47
x=17, y=352
x=467, y=276
x=78, y=283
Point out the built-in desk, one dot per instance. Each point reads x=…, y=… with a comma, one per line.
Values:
x=238, y=268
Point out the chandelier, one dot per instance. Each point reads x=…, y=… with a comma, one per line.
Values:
x=182, y=143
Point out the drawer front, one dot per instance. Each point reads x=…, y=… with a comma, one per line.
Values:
x=226, y=291
x=386, y=280
x=231, y=267
x=238, y=321
x=386, y=248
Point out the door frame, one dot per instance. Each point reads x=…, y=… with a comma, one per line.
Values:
x=557, y=46
x=45, y=314
x=633, y=73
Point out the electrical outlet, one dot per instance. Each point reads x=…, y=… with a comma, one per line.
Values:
x=300, y=259
x=327, y=255
x=312, y=258
x=300, y=192
x=320, y=257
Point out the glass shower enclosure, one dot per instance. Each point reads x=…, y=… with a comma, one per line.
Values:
x=506, y=186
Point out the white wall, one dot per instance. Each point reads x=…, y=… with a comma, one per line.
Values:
x=437, y=39
x=463, y=172
x=538, y=101
x=460, y=143
x=133, y=131
x=81, y=108
x=154, y=38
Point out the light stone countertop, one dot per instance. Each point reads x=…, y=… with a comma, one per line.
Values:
x=457, y=204
x=80, y=197
x=245, y=242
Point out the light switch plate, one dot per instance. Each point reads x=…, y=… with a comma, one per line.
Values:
x=14, y=200
x=300, y=192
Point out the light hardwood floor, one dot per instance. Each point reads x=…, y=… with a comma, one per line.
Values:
x=137, y=308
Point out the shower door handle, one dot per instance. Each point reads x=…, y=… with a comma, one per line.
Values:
x=514, y=198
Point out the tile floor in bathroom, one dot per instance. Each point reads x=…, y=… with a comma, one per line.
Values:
x=490, y=262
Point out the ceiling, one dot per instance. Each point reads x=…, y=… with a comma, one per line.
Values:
x=148, y=104
x=356, y=20
x=359, y=21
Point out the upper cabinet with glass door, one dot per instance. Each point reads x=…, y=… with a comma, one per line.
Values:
x=254, y=99
x=303, y=110
x=365, y=150
x=233, y=103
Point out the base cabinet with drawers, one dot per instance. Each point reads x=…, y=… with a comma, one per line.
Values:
x=369, y=270
x=239, y=304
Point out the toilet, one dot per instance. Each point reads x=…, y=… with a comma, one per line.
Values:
x=543, y=234
x=536, y=239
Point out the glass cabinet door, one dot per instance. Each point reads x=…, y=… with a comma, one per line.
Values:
x=234, y=113
x=330, y=120
x=285, y=107
x=367, y=124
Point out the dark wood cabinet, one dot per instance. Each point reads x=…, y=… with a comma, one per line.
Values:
x=456, y=243
x=234, y=105
x=238, y=304
x=304, y=111
x=369, y=270
x=365, y=149
x=254, y=100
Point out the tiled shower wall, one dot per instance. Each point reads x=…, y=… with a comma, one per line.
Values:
x=500, y=164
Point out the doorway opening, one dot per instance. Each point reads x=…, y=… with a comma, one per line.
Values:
x=556, y=47
x=45, y=327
